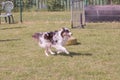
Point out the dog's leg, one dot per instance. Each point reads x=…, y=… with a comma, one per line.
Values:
x=58, y=52
x=46, y=52
x=61, y=49
x=51, y=51
x=65, y=50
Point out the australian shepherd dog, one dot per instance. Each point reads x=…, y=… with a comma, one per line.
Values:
x=55, y=39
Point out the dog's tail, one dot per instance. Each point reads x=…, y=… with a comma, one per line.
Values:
x=37, y=35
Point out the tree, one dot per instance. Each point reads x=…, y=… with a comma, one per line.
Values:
x=54, y=5
x=110, y=1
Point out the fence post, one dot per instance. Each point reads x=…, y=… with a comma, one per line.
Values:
x=71, y=4
x=21, y=11
x=37, y=4
x=85, y=2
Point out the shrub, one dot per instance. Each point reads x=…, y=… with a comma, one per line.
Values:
x=54, y=5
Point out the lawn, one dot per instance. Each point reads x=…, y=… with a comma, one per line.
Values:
x=96, y=57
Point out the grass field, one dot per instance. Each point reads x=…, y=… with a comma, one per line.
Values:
x=96, y=57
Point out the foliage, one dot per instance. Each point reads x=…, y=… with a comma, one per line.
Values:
x=116, y=1
x=54, y=5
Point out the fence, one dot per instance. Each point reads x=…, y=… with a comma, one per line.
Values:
x=77, y=13
x=101, y=2
x=102, y=13
x=39, y=4
x=102, y=10
x=42, y=4
x=94, y=11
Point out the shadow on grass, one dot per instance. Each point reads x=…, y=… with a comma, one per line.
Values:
x=72, y=54
x=6, y=40
x=78, y=43
x=12, y=28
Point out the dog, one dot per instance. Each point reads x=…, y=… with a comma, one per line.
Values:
x=55, y=39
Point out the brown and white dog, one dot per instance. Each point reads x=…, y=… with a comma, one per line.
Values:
x=55, y=39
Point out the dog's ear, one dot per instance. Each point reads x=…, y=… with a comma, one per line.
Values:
x=62, y=33
x=62, y=28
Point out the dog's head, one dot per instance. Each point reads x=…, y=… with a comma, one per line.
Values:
x=65, y=32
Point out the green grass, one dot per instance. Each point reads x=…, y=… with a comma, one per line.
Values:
x=96, y=57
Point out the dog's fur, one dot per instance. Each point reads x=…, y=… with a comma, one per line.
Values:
x=55, y=39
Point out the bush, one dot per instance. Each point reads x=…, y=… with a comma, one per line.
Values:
x=54, y=5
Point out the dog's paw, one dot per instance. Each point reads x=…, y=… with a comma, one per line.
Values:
x=52, y=53
x=46, y=53
x=67, y=52
x=58, y=52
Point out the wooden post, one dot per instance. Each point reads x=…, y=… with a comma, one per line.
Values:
x=37, y=4
x=20, y=11
x=72, y=13
x=0, y=17
x=83, y=16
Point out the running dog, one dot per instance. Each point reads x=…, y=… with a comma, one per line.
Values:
x=55, y=39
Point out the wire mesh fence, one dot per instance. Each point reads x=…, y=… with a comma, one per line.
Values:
x=83, y=11
x=43, y=4
x=104, y=13
x=77, y=13
x=40, y=4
